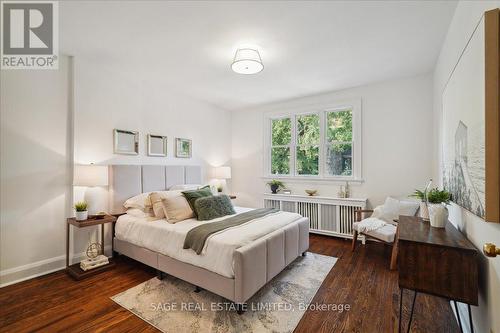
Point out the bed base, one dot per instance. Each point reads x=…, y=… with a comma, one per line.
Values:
x=254, y=264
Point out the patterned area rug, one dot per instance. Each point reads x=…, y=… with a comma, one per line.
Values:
x=171, y=305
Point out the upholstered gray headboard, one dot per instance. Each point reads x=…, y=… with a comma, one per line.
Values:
x=126, y=181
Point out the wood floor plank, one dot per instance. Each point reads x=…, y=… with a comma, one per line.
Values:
x=362, y=280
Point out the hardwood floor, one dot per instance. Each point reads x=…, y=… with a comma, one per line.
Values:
x=57, y=303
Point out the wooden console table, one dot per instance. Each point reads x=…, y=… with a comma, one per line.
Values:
x=74, y=270
x=436, y=261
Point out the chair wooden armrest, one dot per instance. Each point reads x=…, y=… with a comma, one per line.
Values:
x=361, y=212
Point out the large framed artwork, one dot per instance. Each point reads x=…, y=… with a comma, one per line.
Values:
x=471, y=122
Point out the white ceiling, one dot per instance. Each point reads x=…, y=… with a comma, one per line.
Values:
x=307, y=47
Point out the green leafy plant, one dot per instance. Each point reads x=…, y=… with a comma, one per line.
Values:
x=437, y=196
x=418, y=194
x=81, y=206
x=276, y=182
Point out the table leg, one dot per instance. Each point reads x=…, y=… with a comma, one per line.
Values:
x=113, y=239
x=411, y=312
x=471, y=324
x=102, y=239
x=67, y=245
x=458, y=317
x=400, y=308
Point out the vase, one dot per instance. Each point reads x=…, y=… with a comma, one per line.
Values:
x=438, y=215
x=274, y=189
x=424, y=211
x=82, y=216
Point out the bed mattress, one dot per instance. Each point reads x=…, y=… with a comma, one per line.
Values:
x=217, y=255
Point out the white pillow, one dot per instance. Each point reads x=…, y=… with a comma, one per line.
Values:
x=184, y=187
x=140, y=201
x=393, y=208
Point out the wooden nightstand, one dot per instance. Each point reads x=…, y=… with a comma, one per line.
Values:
x=74, y=270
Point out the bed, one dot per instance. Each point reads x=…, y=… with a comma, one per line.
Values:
x=234, y=263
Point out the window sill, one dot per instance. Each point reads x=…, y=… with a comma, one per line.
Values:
x=315, y=180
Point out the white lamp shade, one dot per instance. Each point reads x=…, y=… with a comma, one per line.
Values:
x=223, y=172
x=90, y=175
x=247, y=61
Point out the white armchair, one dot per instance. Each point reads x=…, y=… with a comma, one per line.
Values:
x=381, y=223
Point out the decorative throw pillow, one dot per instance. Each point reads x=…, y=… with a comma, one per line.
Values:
x=140, y=201
x=212, y=207
x=176, y=208
x=192, y=196
x=156, y=198
x=392, y=208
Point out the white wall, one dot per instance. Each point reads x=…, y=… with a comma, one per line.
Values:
x=107, y=98
x=35, y=192
x=467, y=16
x=396, y=136
x=37, y=134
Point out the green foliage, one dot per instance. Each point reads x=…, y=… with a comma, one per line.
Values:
x=438, y=196
x=280, y=157
x=308, y=129
x=281, y=131
x=418, y=194
x=339, y=126
x=276, y=182
x=308, y=160
x=338, y=152
x=81, y=206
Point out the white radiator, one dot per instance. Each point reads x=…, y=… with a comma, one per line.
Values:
x=327, y=215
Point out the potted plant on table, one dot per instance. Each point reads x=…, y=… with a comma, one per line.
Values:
x=81, y=211
x=423, y=211
x=438, y=213
x=275, y=185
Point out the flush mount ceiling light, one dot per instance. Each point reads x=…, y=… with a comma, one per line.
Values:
x=247, y=61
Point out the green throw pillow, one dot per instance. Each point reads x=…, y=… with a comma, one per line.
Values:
x=192, y=196
x=209, y=208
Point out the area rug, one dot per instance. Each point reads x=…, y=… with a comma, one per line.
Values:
x=172, y=305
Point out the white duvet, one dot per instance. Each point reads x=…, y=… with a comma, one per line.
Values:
x=217, y=255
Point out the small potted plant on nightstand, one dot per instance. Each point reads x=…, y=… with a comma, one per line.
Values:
x=81, y=211
x=275, y=185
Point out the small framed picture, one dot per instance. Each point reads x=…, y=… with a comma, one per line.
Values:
x=183, y=148
x=126, y=142
x=286, y=191
x=157, y=145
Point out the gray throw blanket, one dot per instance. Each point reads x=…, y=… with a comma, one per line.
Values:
x=196, y=237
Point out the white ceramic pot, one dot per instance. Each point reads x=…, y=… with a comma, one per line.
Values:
x=424, y=211
x=438, y=215
x=82, y=216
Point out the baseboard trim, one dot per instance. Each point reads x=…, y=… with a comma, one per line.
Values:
x=32, y=270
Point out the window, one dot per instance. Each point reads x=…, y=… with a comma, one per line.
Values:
x=316, y=144
x=339, y=143
x=307, y=155
x=281, y=138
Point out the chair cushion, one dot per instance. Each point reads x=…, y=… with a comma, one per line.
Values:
x=385, y=233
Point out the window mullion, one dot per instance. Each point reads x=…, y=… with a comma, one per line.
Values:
x=293, y=148
x=322, y=139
